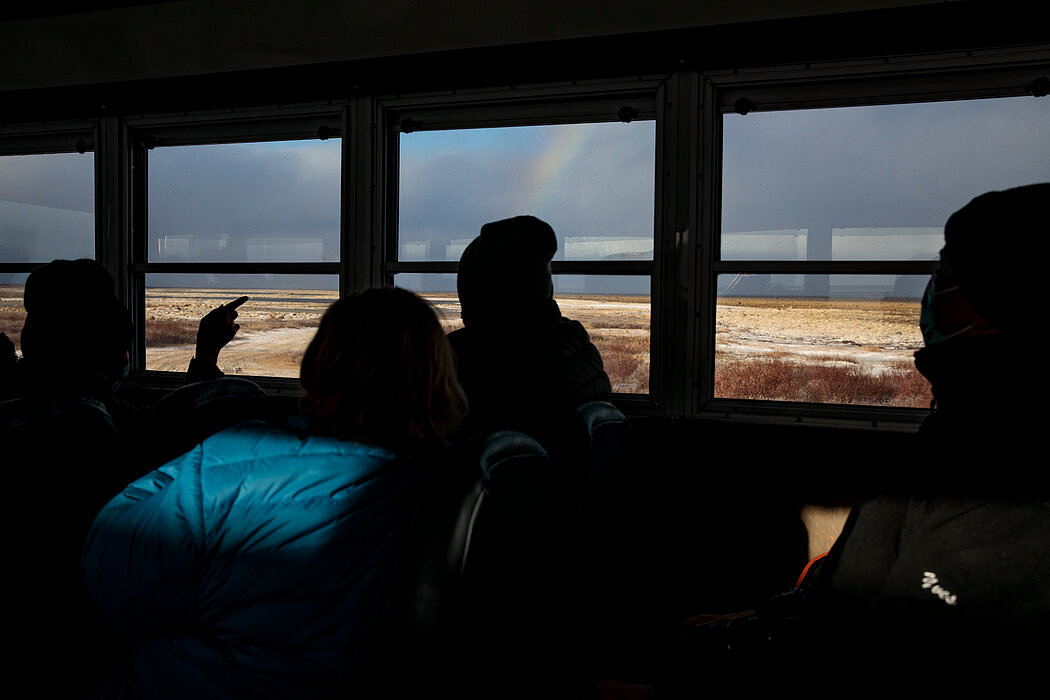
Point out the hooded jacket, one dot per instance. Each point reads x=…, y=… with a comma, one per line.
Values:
x=527, y=378
x=259, y=564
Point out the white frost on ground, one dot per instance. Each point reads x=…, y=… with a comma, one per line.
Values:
x=266, y=353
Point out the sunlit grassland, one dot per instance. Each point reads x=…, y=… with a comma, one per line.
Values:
x=771, y=349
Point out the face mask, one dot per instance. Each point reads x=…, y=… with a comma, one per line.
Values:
x=927, y=324
x=930, y=334
x=115, y=384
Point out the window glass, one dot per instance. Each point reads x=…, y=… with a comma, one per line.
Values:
x=853, y=344
x=437, y=288
x=47, y=207
x=12, y=312
x=871, y=182
x=593, y=183
x=615, y=310
x=245, y=202
x=277, y=322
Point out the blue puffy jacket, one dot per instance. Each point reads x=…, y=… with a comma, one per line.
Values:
x=260, y=564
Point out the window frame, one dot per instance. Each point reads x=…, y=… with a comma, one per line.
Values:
x=686, y=104
x=889, y=80
x=80, y=137
x=46, y=139
x=569, y=103
x=142, y=134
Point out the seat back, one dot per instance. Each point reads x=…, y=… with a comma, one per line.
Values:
x=607, y=459
x=476, y=558
x=63, y=461
x=192, y=412
x=40, y=418
x=67, y=451
x=598, y=554
x=73, y=437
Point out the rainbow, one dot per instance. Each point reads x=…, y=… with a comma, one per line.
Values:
x=547, y=171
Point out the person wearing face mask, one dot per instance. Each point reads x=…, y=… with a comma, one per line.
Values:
x=979, y=316
x=951, y=560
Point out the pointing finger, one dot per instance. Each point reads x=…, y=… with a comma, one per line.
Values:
x=235, y=303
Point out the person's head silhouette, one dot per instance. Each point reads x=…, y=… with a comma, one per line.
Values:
x=380, y=371
x=77, y=334
x=505, y=273
x=983, y=284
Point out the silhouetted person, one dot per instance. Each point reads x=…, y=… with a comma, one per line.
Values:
x=524, y=366
x=70, y=445
x=944, y=574
x=76, y=347
x=262, y=563
x=66, y=461
x=76, y=338
x=981, y=312
x=953, y=562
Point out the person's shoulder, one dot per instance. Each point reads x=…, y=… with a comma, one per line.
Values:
x=569, y=338
x=264, y=439
x=565, y=329
x=457, y=335
x=269, y=463
x=468, y=339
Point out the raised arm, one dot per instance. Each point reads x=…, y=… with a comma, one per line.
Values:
x=216, y=329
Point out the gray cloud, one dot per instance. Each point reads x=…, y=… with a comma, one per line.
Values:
x=895, y=165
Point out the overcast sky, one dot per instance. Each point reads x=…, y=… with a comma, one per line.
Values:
x=902, y=166
x=885, y=166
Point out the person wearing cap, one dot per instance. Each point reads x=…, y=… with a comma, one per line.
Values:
x=522, y=364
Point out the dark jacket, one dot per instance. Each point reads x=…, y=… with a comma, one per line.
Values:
x=952, y=560
x=259, y=564
x=526, y=376
x=946, y=568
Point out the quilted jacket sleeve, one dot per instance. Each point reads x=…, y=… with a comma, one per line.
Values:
x=141, y=556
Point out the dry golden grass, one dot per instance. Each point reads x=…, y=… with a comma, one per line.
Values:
x=12, y=313
x=779, y=379
x=842, y=351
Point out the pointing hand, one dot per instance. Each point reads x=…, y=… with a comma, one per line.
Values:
x=216, y=329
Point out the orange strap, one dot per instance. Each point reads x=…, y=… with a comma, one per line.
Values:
x=810, y=563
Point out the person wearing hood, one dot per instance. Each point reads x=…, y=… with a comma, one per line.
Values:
x=523, y=365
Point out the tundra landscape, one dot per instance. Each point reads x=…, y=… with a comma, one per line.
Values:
x=840, y=351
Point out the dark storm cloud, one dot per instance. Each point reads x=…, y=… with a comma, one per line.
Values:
x=254, y=191
x=47, y=204
x=62, y=180
x=891, y=166
x=582, y=179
